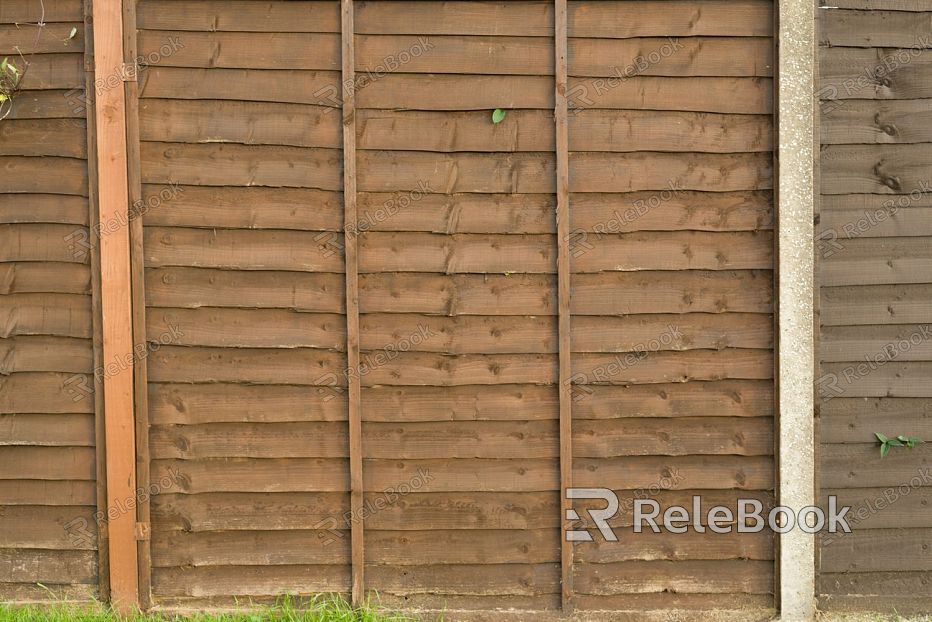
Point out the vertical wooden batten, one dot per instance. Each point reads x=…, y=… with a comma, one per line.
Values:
x=352, y=299
x=100, y=445
x=563, y=296
x=137, y=275
x=116, y=300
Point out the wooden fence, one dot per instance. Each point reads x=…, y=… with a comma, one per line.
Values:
x=875, y=303
x=378, y=332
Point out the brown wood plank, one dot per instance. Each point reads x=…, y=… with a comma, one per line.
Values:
x=457, y=92
x=721, y=398
x=696, y=472
x=907, y=512
x=479, y=579
x=891, y=605
x=56, y=463
x=868, y=379
x=239, y=15
x=249, y=440
x=40, y=526
x=876, y=304
x=351, y=254
x=256, y=475
x=705, y=94
x=904, y=342
x=618, y=19
x=43, y=137
x=876, y=169
x=226, y=511
x=50, y=104
x=846, y=420
x=411, y=548
x=681, y=250
x=52, y=38
x=45, y=354
x=607, y=334
x=43, y=175
x=879, y=550
x=289, y=86
x=630, y=172
x=305, y=366
x=878, y=122
x=874, y=29
x=654, y=367
x=46, y=430
x=38, y=276
x=48, y=493
x=427, y=368
x=685, y=547
x=466, y=475
x=67, y=315
x=882, y=583
x=173, y=404
x=245, y=548
x=459, y=403
x=24, y=11
x=517, y=19
x=593, y=294
x=34, y=242
x=886, y=5
x=417, y=252
x=37, y=566
x=54, y=71
x=300, y=209
x=860, y=465
x=459, y=335
x=752, y=606
x=249, y=581
x=241, y=50
x=461, y=439
x=457, y=54
x=242, y=165
x=427, y=252
x=681, y=436
x=671, y=56
x=702, y=577
x=44, y=208
x=205, y=287
x=45, y=393
x=845, y=73
x=267, y=328
x=590, y=130
x=877, y=261
x=840, y=224
x=116, y=303
x=589, y=172
x=250, y=123
x=239, y=250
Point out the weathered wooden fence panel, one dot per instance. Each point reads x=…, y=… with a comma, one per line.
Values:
x=48, y=459
x=608, y=242
x=873, y=252
x=672, y=254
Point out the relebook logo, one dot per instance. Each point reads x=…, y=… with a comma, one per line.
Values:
x=746, y=517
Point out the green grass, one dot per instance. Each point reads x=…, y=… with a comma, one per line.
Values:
x=320, y=609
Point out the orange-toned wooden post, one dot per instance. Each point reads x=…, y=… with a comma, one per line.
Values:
x=116, y=300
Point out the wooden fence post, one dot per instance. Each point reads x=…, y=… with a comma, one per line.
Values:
x=563, y=297
x=116, y=300
x=352, y=299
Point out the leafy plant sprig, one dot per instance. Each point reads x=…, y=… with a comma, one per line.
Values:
x=898, y=441
x=10, y=79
